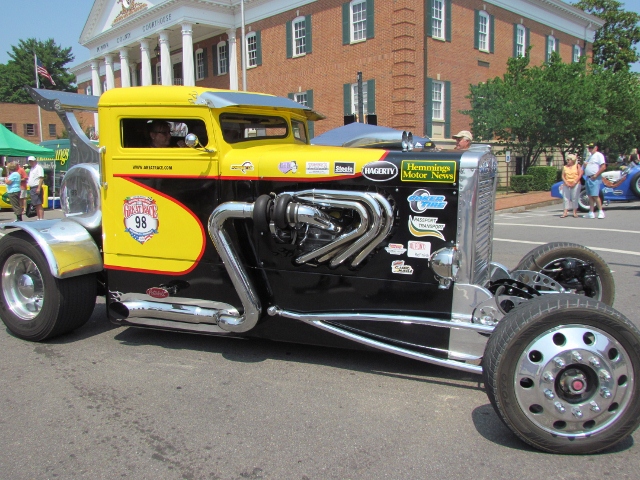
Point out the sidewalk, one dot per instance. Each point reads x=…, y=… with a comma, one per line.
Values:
x=519, y=202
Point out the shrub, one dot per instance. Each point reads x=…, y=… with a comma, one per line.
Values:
x=543, y=177
x=521, y=183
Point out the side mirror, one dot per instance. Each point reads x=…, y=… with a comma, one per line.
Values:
x=191, y=140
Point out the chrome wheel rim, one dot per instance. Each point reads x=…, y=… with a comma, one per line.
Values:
x=574, y=381
x=550, y=267
x=22, y=286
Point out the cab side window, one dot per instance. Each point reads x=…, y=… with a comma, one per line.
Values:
x=160, y=132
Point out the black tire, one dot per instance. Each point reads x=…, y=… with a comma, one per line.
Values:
x=34, y=305
x=635, y=184
x=583, y=199
x=542, y=351
x=544, y=255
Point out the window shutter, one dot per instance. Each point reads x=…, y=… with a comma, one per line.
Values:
x=289, y=31
x=429, y=17
x=370, y=22
x=515, y=40
x=307, y=29
x=546, y=49
x=527, y=41
x=310, y=125
x=447, y=109
x=346, y=25
x=557, y=46
x=428, y=112
x=371, y=96
x=476, y=30
x=153, y=74
x=226, y=49
x=346, y=92
x=447, y=20
x=291, y=96
x=214, y=60
x=492, y=31
x=258, y=48
x=205, y=61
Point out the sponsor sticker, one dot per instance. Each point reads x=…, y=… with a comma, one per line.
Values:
x=140, y=217
x=395, y=249
x=419, y=249
x=317, y=168
x=425, y=227
x=286, y=167
x=421, y=200
x=604, y=190
x=244, y=168
x=344, y=168
x=618, y=192
x=438, y=171
x=398, y=266
x=157, y=292
x=380, y=171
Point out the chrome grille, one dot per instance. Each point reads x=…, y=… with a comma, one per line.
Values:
x=483, y=229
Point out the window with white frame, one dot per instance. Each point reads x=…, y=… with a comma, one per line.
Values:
x=158, y=74
x=89, y=90
x=551, y=46
x=301, y=98
x=577, y=53
x=437, y=101
x=252, y=50
x=437, y=19
x=358, y=20
x=299, y=32
x=354, y=98
x=199, y=64
x=521, y=41
x=483, y=31
x=222, y=58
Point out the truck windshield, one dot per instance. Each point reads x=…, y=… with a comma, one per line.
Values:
x=239, y=127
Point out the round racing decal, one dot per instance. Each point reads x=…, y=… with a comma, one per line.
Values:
x=140, y=217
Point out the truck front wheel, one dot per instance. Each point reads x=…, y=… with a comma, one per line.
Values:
x=563, y=373
x=34, y=305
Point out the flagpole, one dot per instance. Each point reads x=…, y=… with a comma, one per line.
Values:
x=35, y=67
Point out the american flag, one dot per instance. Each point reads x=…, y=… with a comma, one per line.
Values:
x=43, y=71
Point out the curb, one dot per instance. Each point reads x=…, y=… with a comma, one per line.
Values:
x=531, y=206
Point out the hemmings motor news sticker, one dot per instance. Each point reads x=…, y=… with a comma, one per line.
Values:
x=419, y=249
x=425, y=227
x=398, y=266
x=140, y=217
x=395, y=249
x=317, y=168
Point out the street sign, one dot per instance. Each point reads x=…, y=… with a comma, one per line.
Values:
x=507, y=157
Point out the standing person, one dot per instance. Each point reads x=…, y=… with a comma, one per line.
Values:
x=24, y=176
x=13, y=189
x=35, y=181
x=594, y=166
x=571, y=174
x=463, y=140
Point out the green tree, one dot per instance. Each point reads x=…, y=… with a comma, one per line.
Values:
x=614, y=45
x=20, y=69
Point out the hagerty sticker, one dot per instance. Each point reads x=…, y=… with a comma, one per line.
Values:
x=380, y=171
x=421, y=200
x=425, y=227
x=439, y=171
x=140, y=217
x=398, y=266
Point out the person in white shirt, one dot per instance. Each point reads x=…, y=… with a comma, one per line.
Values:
x=593, y=168
x=35, y=181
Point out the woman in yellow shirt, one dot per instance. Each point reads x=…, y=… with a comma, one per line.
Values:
x=571, y=175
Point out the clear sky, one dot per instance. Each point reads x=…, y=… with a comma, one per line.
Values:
x=63, y=20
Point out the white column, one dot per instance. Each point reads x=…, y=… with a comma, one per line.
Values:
x=165, y=59
x=108, y=64
x=95, y=87
x=133, y=74
x=125, y=74
x=146, y=63
x=188, y=73
x=233, y=60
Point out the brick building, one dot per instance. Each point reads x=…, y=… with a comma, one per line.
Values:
x=417, y=58
x=22, y=119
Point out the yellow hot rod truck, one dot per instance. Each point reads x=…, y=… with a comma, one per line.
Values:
x=209, y=211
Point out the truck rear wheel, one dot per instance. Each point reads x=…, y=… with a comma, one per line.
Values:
x=34, y=305
x=563, y=373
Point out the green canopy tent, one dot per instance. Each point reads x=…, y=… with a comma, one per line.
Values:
x=11, y=145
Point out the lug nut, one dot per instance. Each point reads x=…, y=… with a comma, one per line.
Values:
x=549, y=394
x=576, y=356
x=559, y=407
x=559, y=362
x=594, y=362
x=605, y=392
x=605, y=376
x=548, y=377
x=576, y=412
x=594, y=407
